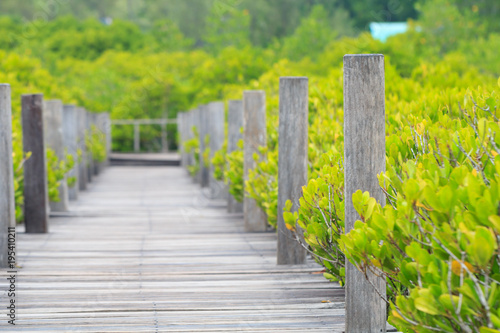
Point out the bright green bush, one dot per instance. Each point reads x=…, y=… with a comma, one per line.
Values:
x=95, y=141
x=439, y=235
x=56, y=173
x=192, y=147
x=234, y=172
x=219, y=162
x=262, y=184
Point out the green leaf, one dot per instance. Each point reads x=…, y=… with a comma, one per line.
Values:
x=485, y=329
x=482, y=247
x=426, y=305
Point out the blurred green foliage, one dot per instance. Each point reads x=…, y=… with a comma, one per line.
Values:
x=158, y=64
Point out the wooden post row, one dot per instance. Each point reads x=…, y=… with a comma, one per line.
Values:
x=36, y=205
x=7, y=205
x=235, y=124
x=364, y=159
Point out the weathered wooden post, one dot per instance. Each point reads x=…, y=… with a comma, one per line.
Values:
x=364, y=159
x=254, y=136
x=203, y=133
x=36, y=202
x=7, y=205
x=234, y=126
x=70, y=136
x=292, y=161
x=216, y=122
x=53, y=136
x=82, y=161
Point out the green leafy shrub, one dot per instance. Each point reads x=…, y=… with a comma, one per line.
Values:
x=321, y=216
x=262, y=184
x=96, y=144
x=439, y=235
x=219, y=162
x=234, y=172
x=56, y=172
x=192, y=147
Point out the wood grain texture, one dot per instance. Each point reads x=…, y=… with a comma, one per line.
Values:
x=144, y=250
x=36, y=201
x=7, y=208
x=54, y=139
x=364, y=159
x=70, y=137
x=234, y=134
x=254, y=136
x=292, y=161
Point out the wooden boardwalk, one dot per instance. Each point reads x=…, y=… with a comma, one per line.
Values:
x=144, y=250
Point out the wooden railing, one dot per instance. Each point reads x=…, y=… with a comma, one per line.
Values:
x=364, y=159
x=137, y=123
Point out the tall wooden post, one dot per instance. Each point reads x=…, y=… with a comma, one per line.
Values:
x=7, y=205
x=234, y=134
x=364, y=159
x=254, y=136
x=70, y=136
x=54, y=139
x=292, y=161
x=216, y=114
x=36, y=200
x=82, y=159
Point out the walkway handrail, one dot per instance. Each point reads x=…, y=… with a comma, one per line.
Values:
x=364, y=151
x=137, y=132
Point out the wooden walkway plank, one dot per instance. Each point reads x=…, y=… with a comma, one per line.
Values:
x=145, y=250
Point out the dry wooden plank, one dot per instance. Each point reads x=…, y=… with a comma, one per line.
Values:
x=178, y=263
